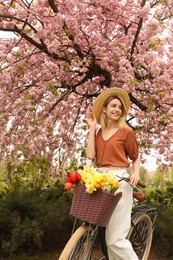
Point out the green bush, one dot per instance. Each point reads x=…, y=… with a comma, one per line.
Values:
x=162, y=199
x=34, y=213
x=34, y=173
x=163, y=232
x=162, y=196
x=54, y=216
x=34, y=219
x=18, y=226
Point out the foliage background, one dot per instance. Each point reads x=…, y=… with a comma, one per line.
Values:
x=35, y=217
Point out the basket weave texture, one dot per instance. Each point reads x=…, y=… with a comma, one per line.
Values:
x=95, y=208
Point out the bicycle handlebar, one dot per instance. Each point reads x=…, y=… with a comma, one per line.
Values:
x=140, y=196
x=141, y=184
x=126, y=177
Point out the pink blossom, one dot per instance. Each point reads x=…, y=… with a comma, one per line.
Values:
x=66, y=55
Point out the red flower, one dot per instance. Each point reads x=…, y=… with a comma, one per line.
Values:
x=72, y=178
x=78, y=176
x=68, y=186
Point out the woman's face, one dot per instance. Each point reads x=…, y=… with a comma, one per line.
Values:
x=113, y=109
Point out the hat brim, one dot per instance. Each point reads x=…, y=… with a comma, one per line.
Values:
x=101, y=99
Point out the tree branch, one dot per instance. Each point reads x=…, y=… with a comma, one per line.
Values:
x=137, y=33
x=53, y=6
x=137, y=103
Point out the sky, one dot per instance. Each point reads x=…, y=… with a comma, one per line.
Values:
x=150, y=163
x=6, y=34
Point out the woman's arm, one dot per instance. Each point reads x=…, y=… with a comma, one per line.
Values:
x=134, y=178
x=90, y=152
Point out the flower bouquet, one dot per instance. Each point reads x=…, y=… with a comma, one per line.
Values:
x=93, y=199
x=93, y=180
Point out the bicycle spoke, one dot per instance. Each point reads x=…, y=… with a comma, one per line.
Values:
x=83, y=247
x=80, y=249
x=141, y=236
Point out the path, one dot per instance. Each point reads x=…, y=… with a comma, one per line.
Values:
x=97, y=254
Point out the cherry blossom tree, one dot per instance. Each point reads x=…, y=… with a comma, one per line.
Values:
x=64, y=52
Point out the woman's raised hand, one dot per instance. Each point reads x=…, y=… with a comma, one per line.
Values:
x=91, y=119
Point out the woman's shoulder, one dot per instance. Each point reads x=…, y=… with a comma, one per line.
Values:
x=98, y=131
x=128, y=135
x=127, y=130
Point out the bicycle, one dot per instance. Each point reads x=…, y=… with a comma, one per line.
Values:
x=80, y=245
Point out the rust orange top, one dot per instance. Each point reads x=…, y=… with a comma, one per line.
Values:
x=117, y=150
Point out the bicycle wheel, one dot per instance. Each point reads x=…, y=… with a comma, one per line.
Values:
x=80, y=245
x=140, y=235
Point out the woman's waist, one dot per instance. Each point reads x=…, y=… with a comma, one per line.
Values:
x=111, y=168
x=123, y=163
x=118, y=171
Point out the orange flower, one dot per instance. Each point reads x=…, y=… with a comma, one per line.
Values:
x=97, y=185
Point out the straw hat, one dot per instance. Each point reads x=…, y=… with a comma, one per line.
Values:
x=101, y=99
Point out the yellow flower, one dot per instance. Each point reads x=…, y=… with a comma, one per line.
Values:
x=94, y=180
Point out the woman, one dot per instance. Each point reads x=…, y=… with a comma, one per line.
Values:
x=111, y=148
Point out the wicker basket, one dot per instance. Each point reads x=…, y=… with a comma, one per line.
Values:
x=94, y=208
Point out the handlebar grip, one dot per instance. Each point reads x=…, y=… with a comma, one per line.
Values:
x=141, y=184
x=139, y=196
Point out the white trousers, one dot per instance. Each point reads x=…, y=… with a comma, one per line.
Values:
x=117, y=228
